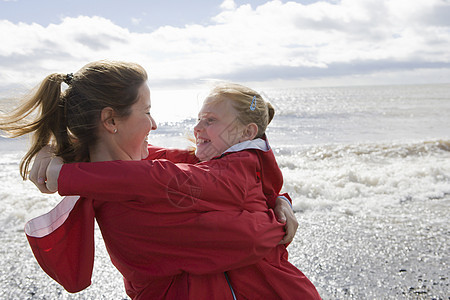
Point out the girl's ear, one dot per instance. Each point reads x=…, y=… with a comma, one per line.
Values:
x=249, y=133
x=107, y=120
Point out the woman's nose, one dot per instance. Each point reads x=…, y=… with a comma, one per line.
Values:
x=154, y=125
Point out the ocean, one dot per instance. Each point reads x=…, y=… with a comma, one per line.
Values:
x=368, y=169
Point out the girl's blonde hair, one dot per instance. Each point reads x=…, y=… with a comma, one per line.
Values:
x=251, y=107
x=69, y=119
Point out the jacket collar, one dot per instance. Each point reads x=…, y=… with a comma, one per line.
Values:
x=258, y=144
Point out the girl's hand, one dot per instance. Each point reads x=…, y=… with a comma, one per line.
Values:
x=285, y=214
x=39, y=169
x=53, y=170
x=45, y=170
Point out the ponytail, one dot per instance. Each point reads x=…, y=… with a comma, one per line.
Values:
x=46, y=124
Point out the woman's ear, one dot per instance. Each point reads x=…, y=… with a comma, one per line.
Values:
x=107, y=120
x=249, y=133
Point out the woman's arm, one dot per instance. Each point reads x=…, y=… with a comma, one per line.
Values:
x=219, y=185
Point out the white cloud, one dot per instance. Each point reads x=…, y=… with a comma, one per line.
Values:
x=136, y=21
x=228, y=5
x=274, y=40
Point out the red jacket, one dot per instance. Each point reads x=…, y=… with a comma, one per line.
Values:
x=163, y=232
x=273, y=277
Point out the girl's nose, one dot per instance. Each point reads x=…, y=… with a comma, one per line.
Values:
x=198, y=126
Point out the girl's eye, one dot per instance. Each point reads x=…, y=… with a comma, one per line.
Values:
x=207, y=121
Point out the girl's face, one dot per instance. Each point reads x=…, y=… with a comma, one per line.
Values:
x=218, y=128
x=132, y=131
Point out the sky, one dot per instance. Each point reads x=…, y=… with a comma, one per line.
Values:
x=260, y=43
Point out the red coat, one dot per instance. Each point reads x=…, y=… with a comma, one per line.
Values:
x=166, y=225
x=273, y=277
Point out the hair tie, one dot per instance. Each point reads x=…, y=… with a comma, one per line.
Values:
x=253, y=105
x=68, y=79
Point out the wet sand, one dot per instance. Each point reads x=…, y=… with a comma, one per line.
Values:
x=402, y=253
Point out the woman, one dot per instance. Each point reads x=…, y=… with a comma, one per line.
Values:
x=104, y=115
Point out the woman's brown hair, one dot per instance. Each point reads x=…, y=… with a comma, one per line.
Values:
x=69, y=119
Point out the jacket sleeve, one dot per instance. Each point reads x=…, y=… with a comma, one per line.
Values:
x=174, y=155
x=222, y=184
x=63, y=242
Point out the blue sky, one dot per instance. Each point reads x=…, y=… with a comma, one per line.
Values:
x=140, y=16
x=261, y=43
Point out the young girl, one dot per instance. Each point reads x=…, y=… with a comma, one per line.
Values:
x=236, y=158
x=105, y=115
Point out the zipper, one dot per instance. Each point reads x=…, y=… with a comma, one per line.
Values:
x=229, y=284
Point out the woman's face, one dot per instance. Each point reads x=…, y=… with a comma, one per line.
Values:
x=218, y=128
x=132, y=131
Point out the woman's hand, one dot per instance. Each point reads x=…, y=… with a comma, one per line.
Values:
x=45, y=170
x=284, y=213
x=39, y=169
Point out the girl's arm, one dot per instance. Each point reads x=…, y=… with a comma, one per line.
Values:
x=223, y=184
x=174, y=155
x=40, y=172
